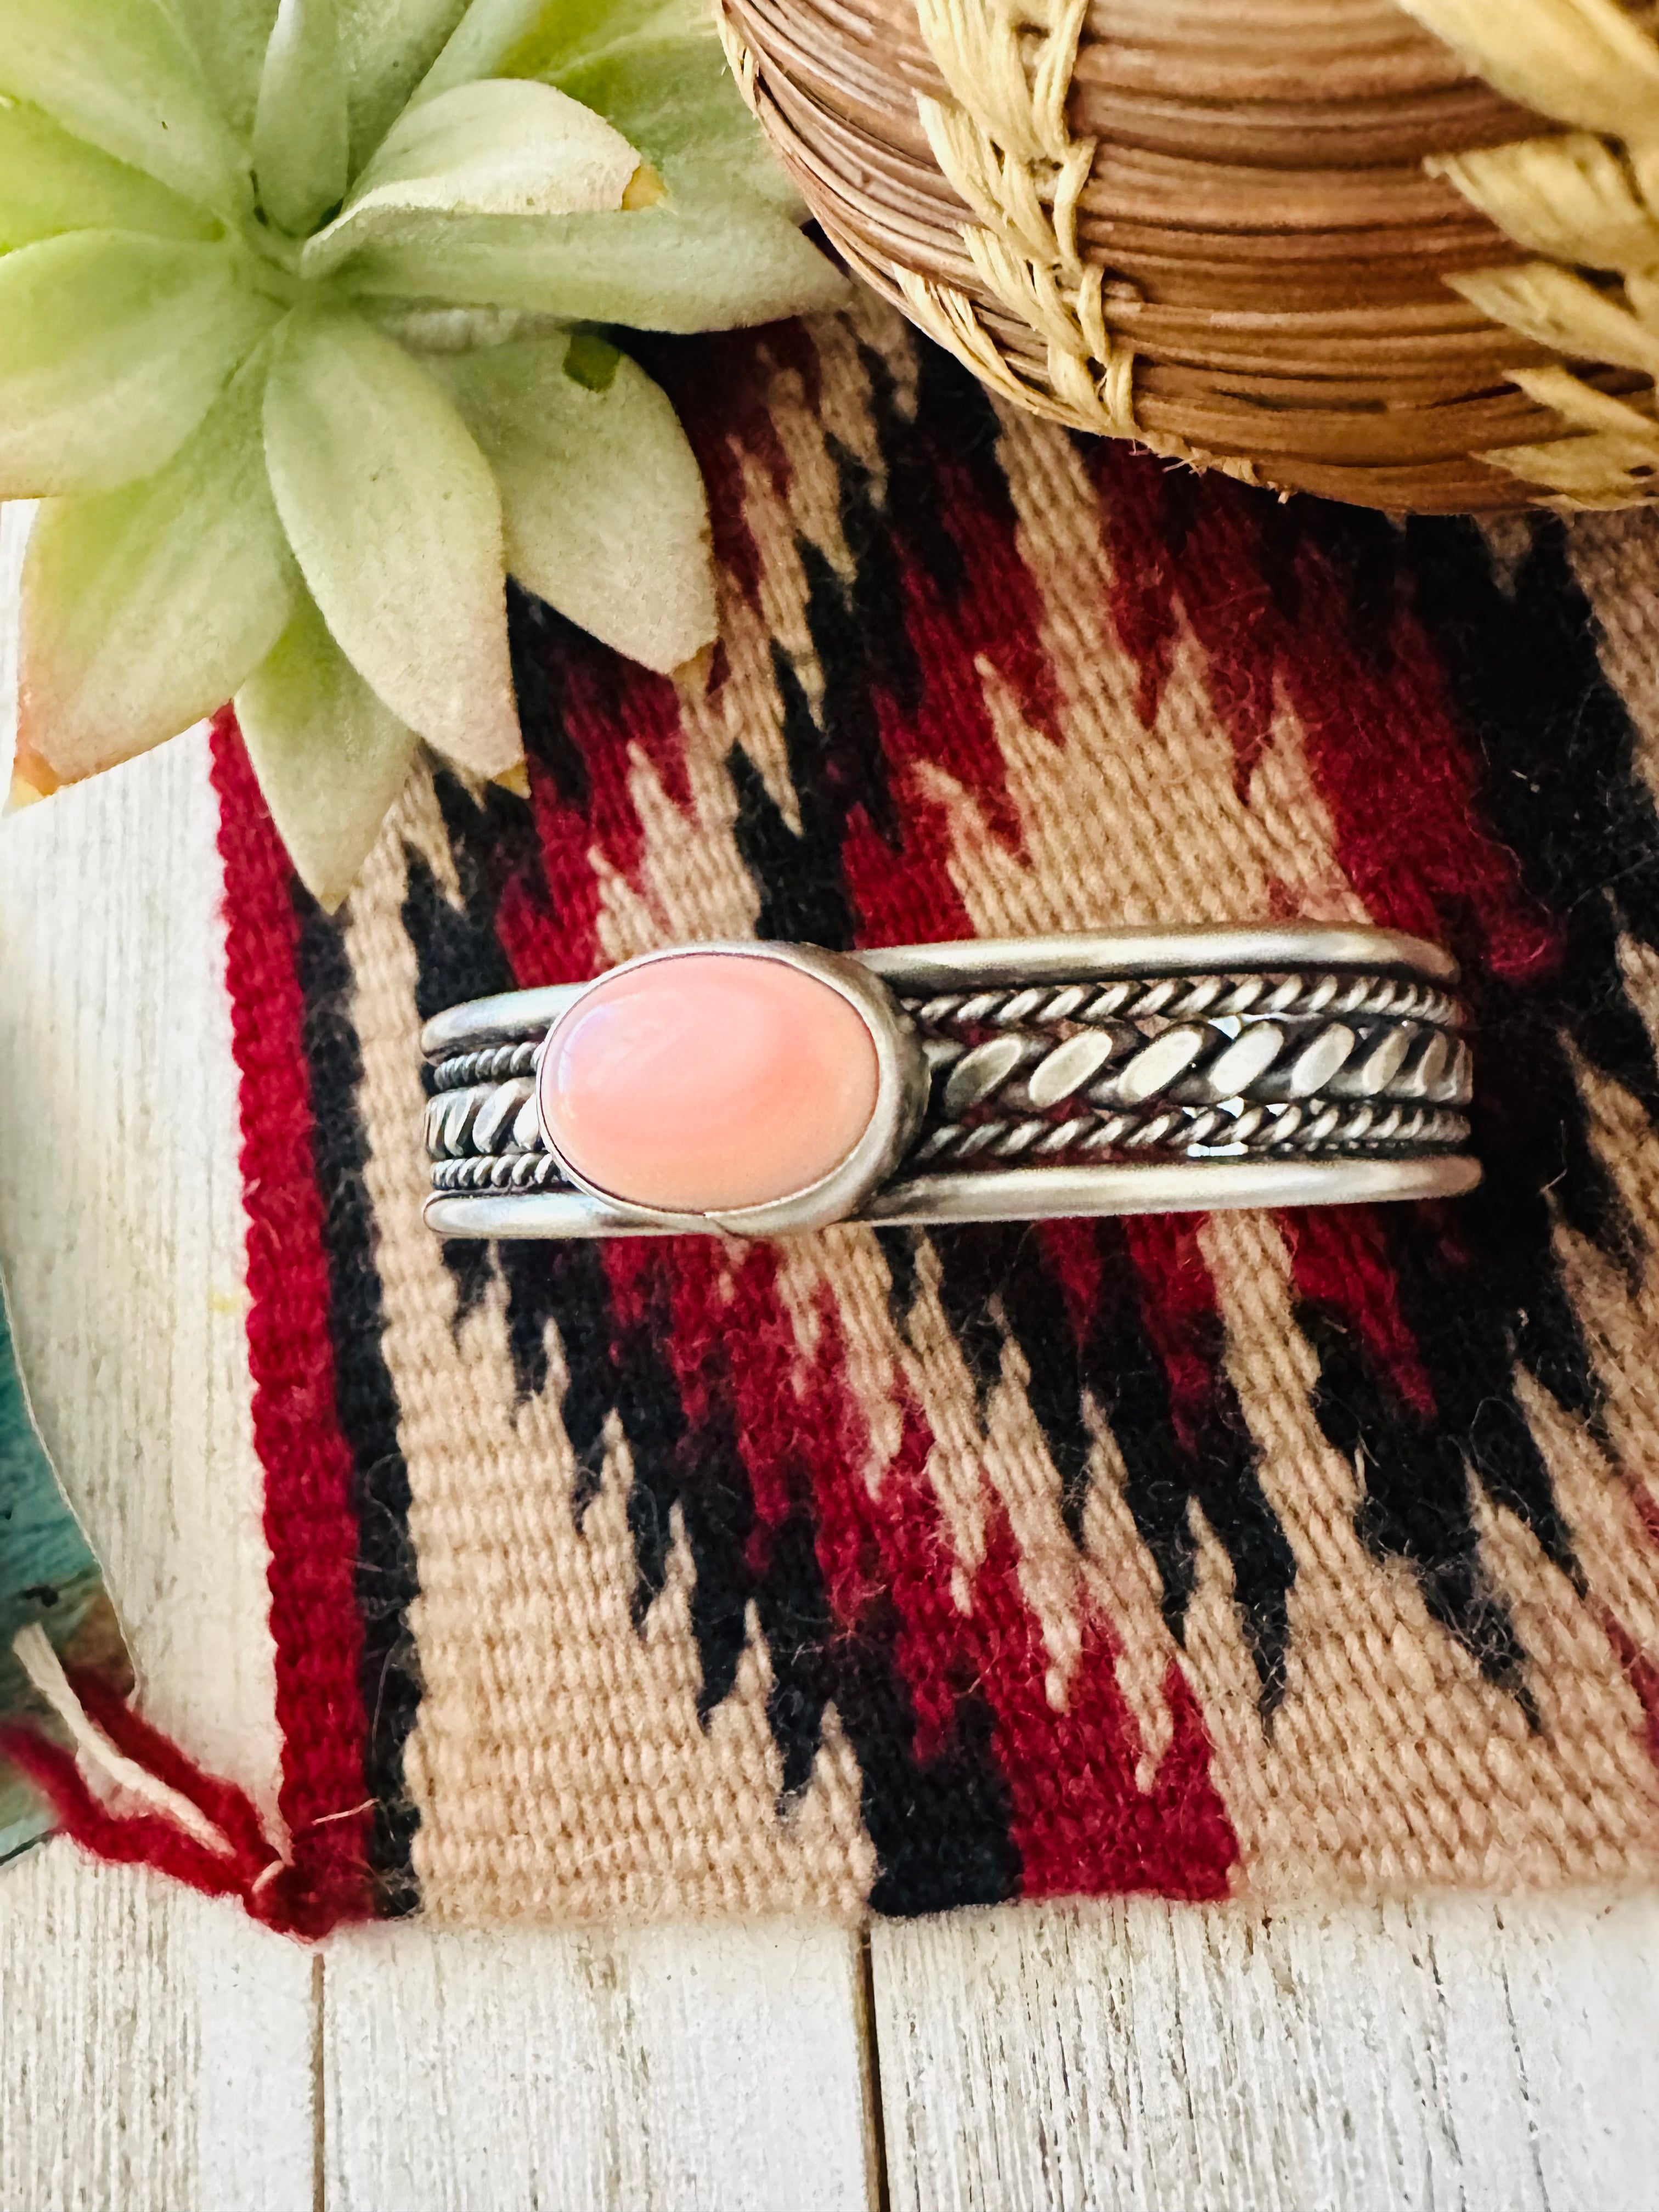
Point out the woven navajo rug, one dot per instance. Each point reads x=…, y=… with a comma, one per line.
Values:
x=1266, y=1553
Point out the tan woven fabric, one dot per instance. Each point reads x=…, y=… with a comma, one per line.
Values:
x=1285, y=1555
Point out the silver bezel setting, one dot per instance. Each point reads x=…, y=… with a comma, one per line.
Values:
x=901, y=1100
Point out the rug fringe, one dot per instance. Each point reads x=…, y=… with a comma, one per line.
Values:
x=201, y=1830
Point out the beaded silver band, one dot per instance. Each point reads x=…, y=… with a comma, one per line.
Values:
x=1131, y=1070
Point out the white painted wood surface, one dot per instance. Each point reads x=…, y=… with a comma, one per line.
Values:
x=666, y=2070
x=1450, y=2052
x=154, y=2051
x=157, y=2054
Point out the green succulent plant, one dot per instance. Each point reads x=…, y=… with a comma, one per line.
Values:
x=304, y=308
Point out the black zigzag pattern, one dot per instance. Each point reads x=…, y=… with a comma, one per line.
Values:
x=1481, y=1289
x=861, y=646
x=366, y=1401
x=1215, y=1471
x=994, y=1279
x=1561, y=789
x=940, y=1824
x=990, y=1281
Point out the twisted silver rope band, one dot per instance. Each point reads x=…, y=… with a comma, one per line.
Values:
x=1175, y=998
x=1313, y=1064
x=1314, y=1126
x=493, y=1065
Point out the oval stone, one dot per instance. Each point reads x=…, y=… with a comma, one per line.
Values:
x=708, y=1082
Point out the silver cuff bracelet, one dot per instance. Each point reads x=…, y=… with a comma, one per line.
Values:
x=761, y=1089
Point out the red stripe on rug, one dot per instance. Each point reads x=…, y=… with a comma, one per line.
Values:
x=729, y=1322
x=1082, y=1823
x=1233, y=620
x=993, y=622
x=1339, y=1261
x=1080, y=1820
x=1182, y=1315
x=309, y=1523
x=1392, y=764
x=1387, y=755
x=1136, y=527
x=1643, y=1677
x=724, y=392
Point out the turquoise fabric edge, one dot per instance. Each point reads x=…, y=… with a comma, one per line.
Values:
x=48, y=1576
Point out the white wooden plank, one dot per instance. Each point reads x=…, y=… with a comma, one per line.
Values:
x=154, y=2049
x=1452, y=2052
x=151, y=2047
x=671, y=2070
x=120, y=1215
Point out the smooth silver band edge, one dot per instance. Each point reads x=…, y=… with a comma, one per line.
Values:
x=1014, y=1195
x=988, y=962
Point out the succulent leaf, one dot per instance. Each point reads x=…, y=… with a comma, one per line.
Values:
x=674, y=97
x=112, y=348
x=231, y=37
x=495, y=148
x=426, y=329
x=389, y=46
x=302, y=141
x=480, y=43
x=122, y=75
x=665, y=268
x=145, y=608
x=293, y=461
x=50, y=183
x=603, y=503
x=566, y=31
x=330, y=757
x=396, y=521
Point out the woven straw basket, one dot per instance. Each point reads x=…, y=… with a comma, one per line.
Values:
x=1404, y=259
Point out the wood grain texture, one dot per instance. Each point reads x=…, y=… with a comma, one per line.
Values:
x=120, y=1211
x=154, y=2049
x=668, y=2069
x=1453, y=2051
